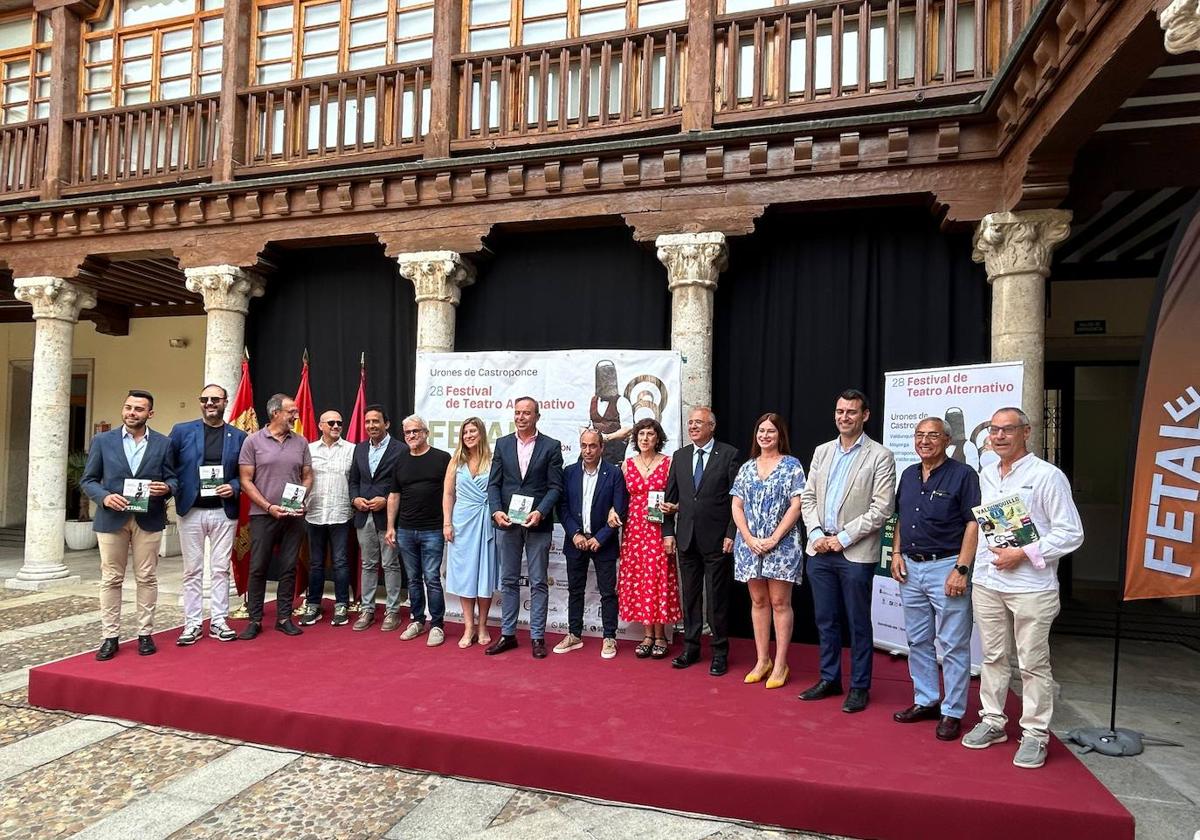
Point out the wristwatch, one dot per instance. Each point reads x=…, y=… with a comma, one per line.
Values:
x=962, y=570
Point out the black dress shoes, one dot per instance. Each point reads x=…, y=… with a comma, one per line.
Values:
x=856, y=700
x=539, y=648
x=948, y=728
x=501, y=644
x=720, y=665
x=108, y=649
x=252, y=630
x=685, y=660
x=917, y=712
x=146, y=646
x=821, y=690
x=288, y=628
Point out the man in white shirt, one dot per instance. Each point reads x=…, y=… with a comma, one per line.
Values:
x=328, y=516
x=1015, y=589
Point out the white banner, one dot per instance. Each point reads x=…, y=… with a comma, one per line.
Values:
x=606, y=389
x=966, y=397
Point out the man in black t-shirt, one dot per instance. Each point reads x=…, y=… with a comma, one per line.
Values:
x=415, y=525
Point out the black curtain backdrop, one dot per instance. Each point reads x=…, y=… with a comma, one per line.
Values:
x=565, y=290
x=812, y=304
x=337, y=302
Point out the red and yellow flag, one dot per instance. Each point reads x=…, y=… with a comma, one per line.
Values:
x=306, y=420
x=356, y=432
x=241, y=415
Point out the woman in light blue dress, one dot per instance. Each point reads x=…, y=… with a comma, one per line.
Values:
x=471, y=569
x=767, y=552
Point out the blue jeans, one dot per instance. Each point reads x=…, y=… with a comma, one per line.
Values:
x=930, y=613
x=838, y=582
x=319, y=537
x=535, y=545
x=422, y=555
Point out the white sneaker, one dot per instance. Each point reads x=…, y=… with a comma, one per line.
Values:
x=414, y=629
x=436, y=637
x=609, y=650
x=190, y=636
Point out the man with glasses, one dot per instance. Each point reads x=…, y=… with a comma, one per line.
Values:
x=936, y=535
x=414, y=514
x=327, y=514
x=206, y=461
x=1015, y=589
x=371, y=474
x=272, y=458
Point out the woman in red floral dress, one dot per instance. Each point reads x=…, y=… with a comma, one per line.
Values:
x=647, y=588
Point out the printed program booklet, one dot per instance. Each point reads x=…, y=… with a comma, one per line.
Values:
x=293, y=497
x=654, y=500
x=137, y=493
x=1005, y=523
x=519, y=508
x=210, y=479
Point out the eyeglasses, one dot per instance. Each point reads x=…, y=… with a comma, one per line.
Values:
x=412, y=432
x=1008, y=430
x=333, y=422
x=927, y=435
x=211, y=400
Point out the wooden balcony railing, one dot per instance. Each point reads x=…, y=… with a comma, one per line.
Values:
x=784, y=57
x=622, y=81
x=160, y=141
x=376, y=113
x=22, y=157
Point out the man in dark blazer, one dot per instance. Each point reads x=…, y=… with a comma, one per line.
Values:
x=132, y=451
x=528, y=464
x=699, y=525
x=370, y=482
x=592, y=488
x=211, y=516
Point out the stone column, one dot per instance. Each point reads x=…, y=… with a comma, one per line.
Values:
x=227, y=290
x=693, y=261
x=1181, y=26
x=439, y=278
x=56, y=306
x=1016, y=248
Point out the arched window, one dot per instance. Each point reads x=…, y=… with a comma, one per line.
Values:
x=25, y=66
x=302, y=38
x=137, y=51
x=499, y=24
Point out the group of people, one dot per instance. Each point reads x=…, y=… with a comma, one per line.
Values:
x=665, y=533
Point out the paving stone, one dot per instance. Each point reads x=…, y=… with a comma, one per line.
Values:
x=18, y=720
x=452, y=809
x=31, y=614
x=525, y=802
x=610, y=822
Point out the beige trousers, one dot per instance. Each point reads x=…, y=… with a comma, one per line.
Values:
x=1027, y=616
x=115, y=549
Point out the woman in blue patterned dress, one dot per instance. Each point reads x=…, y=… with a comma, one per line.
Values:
x=471, y=570
x=767, y=552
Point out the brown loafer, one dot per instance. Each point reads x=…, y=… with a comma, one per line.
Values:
x=917, y=712
x=948, y=728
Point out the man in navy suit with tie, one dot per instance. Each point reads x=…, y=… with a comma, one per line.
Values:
x=207, y=513
x=591, y=489
x=528, y=464
x=132, y=451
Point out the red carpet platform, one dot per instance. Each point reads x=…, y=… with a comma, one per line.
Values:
x=626, y=729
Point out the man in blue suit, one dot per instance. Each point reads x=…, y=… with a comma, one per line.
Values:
x=207, y=513
x=591, y=489
x=526, y=464
x=132, y=451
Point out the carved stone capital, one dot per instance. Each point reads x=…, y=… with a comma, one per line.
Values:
x=1181, y=24
x=1019, y=242
x=53, y=297
x=437, y=275
x=224, y=287
x=692, y=259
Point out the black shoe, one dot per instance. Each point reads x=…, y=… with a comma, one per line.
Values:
x=108, y=649
x=146, y=646
x=856, y=700
x=720, y=665
x=949, y=728
x=252, y=630
x=287, y=627
x=821, y=690
x=685, y=660
x=500, y=645
x=917, y=712
x=539, y=648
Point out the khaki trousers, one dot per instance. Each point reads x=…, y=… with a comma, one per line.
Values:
x=114, y=555
x=1027, y=616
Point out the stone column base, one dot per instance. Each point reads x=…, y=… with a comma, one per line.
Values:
x=42, y=585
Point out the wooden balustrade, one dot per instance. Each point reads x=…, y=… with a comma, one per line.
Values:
x=783, y=57
x=622, y=81
x=374, y=113
x=156, y=142
x=22, y=157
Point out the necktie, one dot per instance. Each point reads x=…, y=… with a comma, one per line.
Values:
x=699, y=473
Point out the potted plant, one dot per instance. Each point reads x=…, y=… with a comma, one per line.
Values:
x=79, y=534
